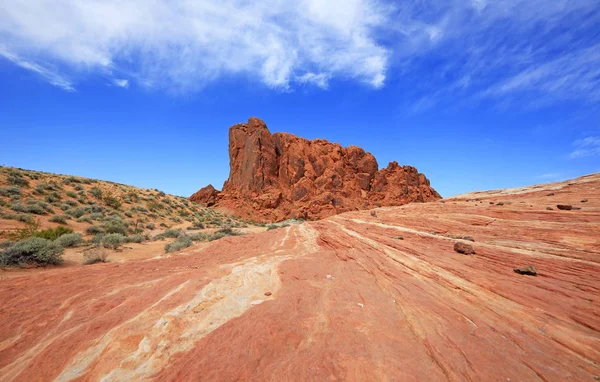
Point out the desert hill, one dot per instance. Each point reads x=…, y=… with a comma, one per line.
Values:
x=363, y=295
x=130, y=220
x=280, y=176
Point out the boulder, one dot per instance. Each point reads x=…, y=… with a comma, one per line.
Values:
x=564, y=207
x=528, y=270
x=463, y=248
x=206, y=196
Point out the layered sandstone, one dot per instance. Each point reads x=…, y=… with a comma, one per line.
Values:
x=206, y=196
x=351, y=297
x=277, y=176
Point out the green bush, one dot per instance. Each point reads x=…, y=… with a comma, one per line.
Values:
x=150, y=225
x=134, y=239
x=53, y=234
x=114, y=225
x=112, y=202
x=10, y=191
x=53, y=197
x=35, y=250
x=76, y=212
x=71, y=203
x=96, y=192
x=79, y=187
x=17, y=179
x=85, y=219
x=111, y=240
x=94, y=230
x=71, y=194
x=179, y=244
x=26, y=218
x=69, y=240
x=60, y=219
x=37, y=209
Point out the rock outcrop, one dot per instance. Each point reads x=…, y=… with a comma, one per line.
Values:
x=277, y=176
x=206, y=196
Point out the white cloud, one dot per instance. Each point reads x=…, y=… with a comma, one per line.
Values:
x=182, y=45
x=50, y=75
x=586, y=147
x=122, y=83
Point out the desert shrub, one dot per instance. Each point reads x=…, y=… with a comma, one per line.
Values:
x=112, y=202
x=192, y=228
x=53, y=233
x=176, y=219
x=60, y=219
x=35, y=250
x=174, y=233
x=64, y=207
x=155, y=206
x=85, y=219
x=96, y=192
x=69, y=240
x=71, y=194
x=199, y=236
x=6, y=244
x=134, y=238
x=94, y=230
x=76, y=212
x=10, y=191
x=150, y=226
x=17, y=179
x=179, y=244
x=79, y=187
x=272, y=226
x=114, y=225
x=223, y=232
x=28, y=208
x=53, y=197
x=26, y=218
x=96, y=216
x=111, y=240
x=71, y=203
x=71, y=179
x=160, y=193
x=128, y=214
x=95, y=255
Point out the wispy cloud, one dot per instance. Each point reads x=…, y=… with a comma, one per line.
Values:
x=182, y=45
x=440, y=53
x=586, y=147
x=50, y=75
x=122, y=83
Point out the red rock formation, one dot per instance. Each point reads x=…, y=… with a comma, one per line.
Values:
x=206, y=196
x=278, y=176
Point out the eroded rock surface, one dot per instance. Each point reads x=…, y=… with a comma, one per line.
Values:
x=278, y=176
x=206, y=196
x=337, y=299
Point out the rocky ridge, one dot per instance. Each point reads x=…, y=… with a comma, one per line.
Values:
x=278, y=176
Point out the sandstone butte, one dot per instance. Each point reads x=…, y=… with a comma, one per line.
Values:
x=351, y=297
x=279, y=176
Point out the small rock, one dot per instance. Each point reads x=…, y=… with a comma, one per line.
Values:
x=361, y=305
x=268, y=293
x=528, y=270
x=584, y=201
x=575, y=208
x=499, y=204
x=329, y=277
x=491, y=202
x=374, y=214
x=399, y=237
x=463, y=248
x=550, y=194
x=565, y=207
x=469, y=238
x=550, y=208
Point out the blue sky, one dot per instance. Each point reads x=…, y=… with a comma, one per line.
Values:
x=475, y=94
